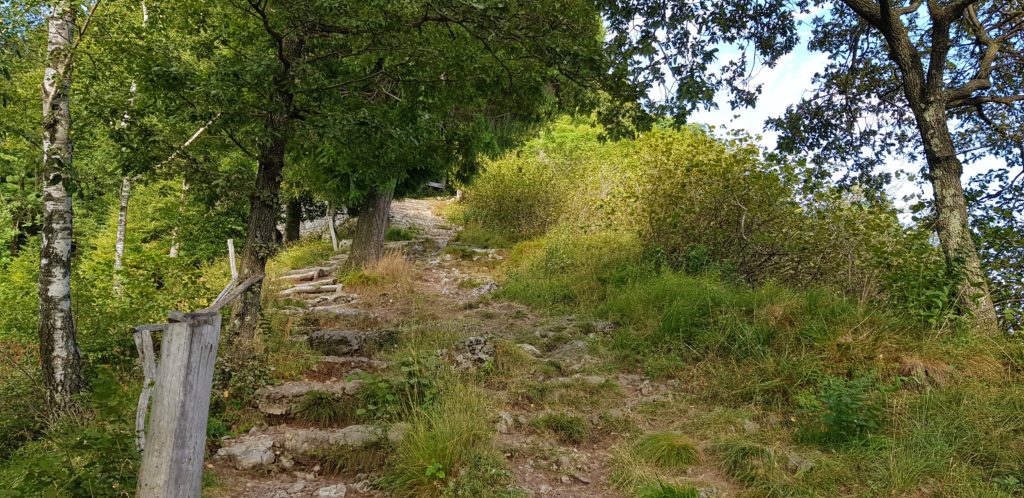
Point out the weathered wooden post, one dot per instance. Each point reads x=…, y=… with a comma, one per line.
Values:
x=174, y=445
x=172, y=462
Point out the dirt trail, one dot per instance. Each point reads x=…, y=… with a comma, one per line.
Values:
x=346, y=326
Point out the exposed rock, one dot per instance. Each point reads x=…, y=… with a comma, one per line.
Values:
x=708, y=493
x=282, y=399
x=505, y=423
x=571, y=349
x=471, y=353
x=337, y=311
x=799, y=464
x=543, y=489
x=309, y=441
x=336, y=491
x=573, y=355
x=484, y=289
x=646, y=389
x=604, y=326
x=581, y=478
x=337, y=298
x=565, y=479
x=297, y=487
x=594, y=380
x=361, y=362
x=302, y=441
x=349, y=342
x=248, y=452
x=530, y=350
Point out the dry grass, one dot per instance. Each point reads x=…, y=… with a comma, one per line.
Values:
x=392, y=269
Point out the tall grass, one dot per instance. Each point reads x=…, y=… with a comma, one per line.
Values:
x=444, y=443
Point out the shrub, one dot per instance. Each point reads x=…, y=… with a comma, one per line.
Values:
x=842, y=410
x=701, y=203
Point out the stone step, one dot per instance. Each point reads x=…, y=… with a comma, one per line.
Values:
x=337, y=311
x=353, y=362
x=282, y=399
x=324, y=270
x=309, y=274
x=282, y=445
x=313, y=288
x=330, y=299
x=349, y=342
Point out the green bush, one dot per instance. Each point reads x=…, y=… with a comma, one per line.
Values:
x=89, y=454
x=701, y=203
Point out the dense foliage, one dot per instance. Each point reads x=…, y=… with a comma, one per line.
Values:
x=704, y=204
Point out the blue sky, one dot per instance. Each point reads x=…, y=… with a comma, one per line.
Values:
x=785, y=85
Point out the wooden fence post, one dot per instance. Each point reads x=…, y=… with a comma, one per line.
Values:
x=174, y=444
x=172, y=462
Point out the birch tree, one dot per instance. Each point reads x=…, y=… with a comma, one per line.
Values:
x=58, y=345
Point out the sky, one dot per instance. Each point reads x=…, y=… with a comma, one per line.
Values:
x=784, y=85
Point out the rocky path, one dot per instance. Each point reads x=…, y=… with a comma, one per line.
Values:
x=350, y=329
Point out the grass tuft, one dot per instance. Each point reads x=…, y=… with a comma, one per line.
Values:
x=321, y=408
x=395, y=234
x=444, y=442
x=666, y=490
x=569, y=429
x=667, y=450
x=355, y=459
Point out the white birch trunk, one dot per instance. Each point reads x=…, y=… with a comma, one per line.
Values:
x=58, y=345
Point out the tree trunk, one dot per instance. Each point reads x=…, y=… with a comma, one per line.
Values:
x=122, y=229
x=261, y=230
x=952, y=224
x=293, y=220
x=58, y=346
x=368, y=240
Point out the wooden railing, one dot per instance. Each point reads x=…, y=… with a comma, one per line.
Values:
x=174, y=444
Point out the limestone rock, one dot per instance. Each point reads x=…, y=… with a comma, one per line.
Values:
x=282, y=399
x=335, y=491
x=349, y=342
x=248, y=452
x=505, y=423
x=530, y=350
x=471, y=353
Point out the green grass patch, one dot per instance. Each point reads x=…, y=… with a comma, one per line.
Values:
x=447, y=446
x=395, y=234
x=668, y=450
x=569, y=429
x=355, y=459
x=477, y=235
x=666, y=490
